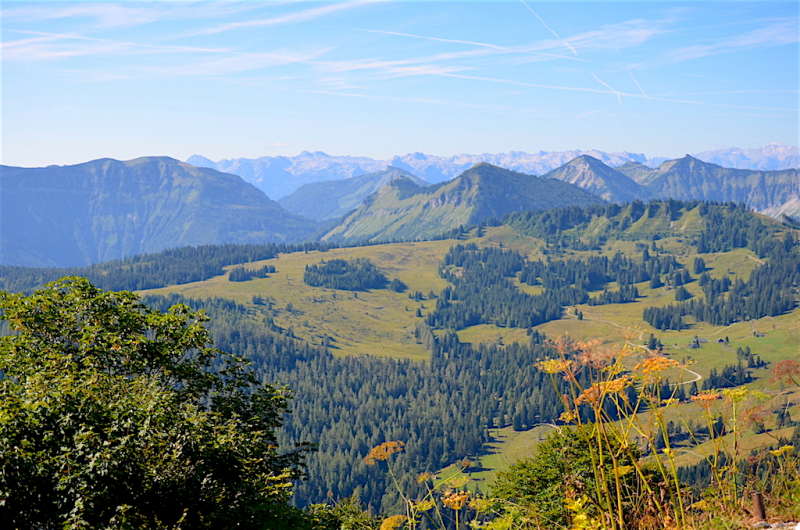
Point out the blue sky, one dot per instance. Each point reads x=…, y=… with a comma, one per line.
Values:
x=85, y=80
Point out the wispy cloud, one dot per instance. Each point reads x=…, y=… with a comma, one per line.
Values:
x=288, y=18
x=233, y=64
x=112, y=15
x=46, y=46
x=522, y=49
x=776, y=34
x=614, y=92
x=416, y=100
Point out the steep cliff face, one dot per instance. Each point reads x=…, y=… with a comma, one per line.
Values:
x=107, y=209
x=403, y=210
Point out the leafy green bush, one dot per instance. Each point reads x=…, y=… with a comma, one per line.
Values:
x=116, y=416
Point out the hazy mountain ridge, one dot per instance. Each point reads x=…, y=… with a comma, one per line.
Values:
x=402, y=210
x=592, y=175
x=688, y=178
x=280, y=176
x=771, y=157
x=107, y=209
x=334, y=198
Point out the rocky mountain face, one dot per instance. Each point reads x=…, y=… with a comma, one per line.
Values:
x=107, y=209
x=592, y=175
x=403, y=210
x=334, y=198
x=688, y=178
x=281, y=176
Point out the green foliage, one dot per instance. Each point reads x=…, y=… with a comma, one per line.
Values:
x=353, y=275
x=563, y=468
x=150, y=271
x=110, y=416
x=397, y=285
x=242, y=274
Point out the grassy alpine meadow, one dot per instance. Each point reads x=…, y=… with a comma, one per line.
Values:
x=375, y=322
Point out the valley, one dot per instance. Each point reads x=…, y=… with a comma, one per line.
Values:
x=384, y=323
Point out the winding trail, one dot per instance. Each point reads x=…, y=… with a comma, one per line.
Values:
x=697, y=377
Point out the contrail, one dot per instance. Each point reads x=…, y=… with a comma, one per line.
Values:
x=619, y=97
x=643, y=92
x=565, y=43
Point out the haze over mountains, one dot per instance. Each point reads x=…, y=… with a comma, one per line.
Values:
x=279, y=176
x=404, y=210
x=106, y=209
x=334, y=198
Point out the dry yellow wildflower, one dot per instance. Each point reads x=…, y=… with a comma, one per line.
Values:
x=563, y=344
x=554, y=366
x=481, y=504
x=567, y=417
x=704, y=399
x=457, y=481
x=669, y=402
x=424, y=477
x=655, y=364
x=383, y=452
x=456, y=500
x=394, y=522
x=595, y=393
x=424, y=505
x=592, y=354
x=735, y=394
x=759, y=396
x=783, y=450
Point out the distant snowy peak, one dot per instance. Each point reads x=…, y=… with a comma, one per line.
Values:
x=438, y=168
x=280, y=176
x=771, y=157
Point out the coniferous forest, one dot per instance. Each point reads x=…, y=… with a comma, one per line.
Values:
x=444, y=408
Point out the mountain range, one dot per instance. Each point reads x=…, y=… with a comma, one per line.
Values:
x=280, y=176
x=334, y=198
x=106, y=209
x=404, y=210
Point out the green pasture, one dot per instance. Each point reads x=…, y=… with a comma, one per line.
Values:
x=377, y=322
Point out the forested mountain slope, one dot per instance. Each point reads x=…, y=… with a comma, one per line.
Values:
x=107, y=209
x=452, y=353
x=334, y=198
x=403, y=210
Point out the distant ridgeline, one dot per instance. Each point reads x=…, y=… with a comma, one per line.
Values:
x=151, y=271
